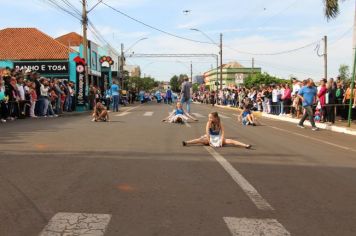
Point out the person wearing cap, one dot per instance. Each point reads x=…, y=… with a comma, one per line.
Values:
x=308, y=95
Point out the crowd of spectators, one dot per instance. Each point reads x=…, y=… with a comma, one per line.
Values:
x=27, y=94
x=332, y=101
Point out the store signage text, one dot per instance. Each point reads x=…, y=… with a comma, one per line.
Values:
x=43, y=67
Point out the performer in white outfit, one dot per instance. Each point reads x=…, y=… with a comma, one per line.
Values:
x=215, y=135
x=179, y=115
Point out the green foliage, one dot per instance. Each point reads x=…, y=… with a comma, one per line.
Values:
x=146, y=83
x=263, y=79
x=195, y=87
x=176, y=82
x=344, y=72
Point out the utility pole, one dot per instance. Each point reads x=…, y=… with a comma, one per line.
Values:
x=326, y=57
x=85, y=40
x=353, y=73
x=253, y=66
x=191, y=71
x=122, y=61
x=221, y=60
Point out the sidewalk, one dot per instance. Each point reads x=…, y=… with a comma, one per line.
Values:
x=338, y=127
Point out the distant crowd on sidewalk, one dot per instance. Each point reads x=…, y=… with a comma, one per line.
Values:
x=27, y=94
x=332, y=99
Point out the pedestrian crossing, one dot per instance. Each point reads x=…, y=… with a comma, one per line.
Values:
x=81, y=224
x=152, y=113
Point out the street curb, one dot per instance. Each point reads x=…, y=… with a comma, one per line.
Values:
x=332, y=128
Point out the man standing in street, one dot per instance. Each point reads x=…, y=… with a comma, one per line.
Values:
x=185, y=93
x=169, y=96
x=115, y=93
x=308, y=96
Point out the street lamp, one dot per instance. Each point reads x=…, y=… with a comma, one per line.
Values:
x=221, y=54
x=141, y=39
x=122, y=61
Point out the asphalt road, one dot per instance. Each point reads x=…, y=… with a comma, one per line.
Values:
x=136, y=178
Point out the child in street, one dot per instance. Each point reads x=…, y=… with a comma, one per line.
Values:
x=247, y=117
x=100, y=113
x=179, y=115
x=317, y=116
x=215, y=135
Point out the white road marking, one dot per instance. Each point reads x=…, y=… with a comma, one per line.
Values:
x=255, y=227
x=126, y=112
x=249, y=190
x=132, y=108
x=308, y=137
x=76, y=224
x=148, y=113
x=224, y=117
x=123, y=114
x=198, y=115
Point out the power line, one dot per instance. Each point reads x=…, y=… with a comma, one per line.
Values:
x=275, y=53
x=58, y=6
x=152, y=27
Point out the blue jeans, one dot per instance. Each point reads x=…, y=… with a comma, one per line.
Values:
x=68, y=103
x=115, y=106
x=184, y=100
x=282, y=107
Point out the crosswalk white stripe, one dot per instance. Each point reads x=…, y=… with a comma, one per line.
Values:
x=198, y=115
x=123, y=114
x=255, y=227
x=250, y=191
x=76, y=224
x=148, y=113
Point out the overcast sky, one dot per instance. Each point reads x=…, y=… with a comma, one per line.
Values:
x=254, y=26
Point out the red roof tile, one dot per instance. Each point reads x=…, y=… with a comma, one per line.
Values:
x=30, y=44
x=71, y=39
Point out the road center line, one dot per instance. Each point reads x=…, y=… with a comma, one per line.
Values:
x=308, y=137
x=76, y=224
x=252, y=227
x=249, y=190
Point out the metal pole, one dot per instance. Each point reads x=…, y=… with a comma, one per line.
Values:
x=221, y=60
x=191, y=72
x=353, y=72
x=85, y=41
x=326, y=57
x=122, y=74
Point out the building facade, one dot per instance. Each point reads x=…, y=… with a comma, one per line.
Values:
x=233, y=74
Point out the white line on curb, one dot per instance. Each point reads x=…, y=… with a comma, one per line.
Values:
x=76, y=224
x=250, y=191
x=255, y=227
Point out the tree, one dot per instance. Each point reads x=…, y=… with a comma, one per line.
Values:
x=331, y=8
x=263, y=79
x=195, y=87
x=344, y=72
x=175, y=83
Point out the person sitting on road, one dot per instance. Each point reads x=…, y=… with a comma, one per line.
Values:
x=215, y=135
x=100, y=113
x=247, y=117
x=179, y=115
